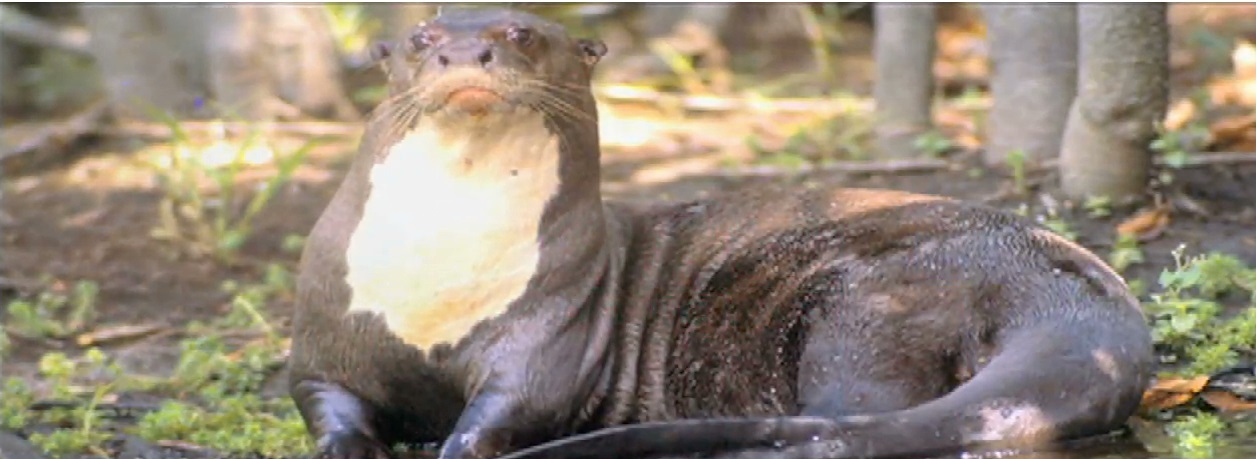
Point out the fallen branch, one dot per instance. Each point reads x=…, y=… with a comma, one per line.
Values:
x=112, y=410
x=59, y=133
x=159, y=131
x=907, y=166
x=1191, y=159
x=19, y=26
x=708, y=103
x=1206, y=159
x=711, y=103
x=18, y=285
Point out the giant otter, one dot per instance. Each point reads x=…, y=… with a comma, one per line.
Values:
x=468, y=285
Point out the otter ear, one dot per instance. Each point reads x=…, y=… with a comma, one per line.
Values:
x=592, y=49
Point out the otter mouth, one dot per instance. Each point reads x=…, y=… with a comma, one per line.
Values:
x=474, y=100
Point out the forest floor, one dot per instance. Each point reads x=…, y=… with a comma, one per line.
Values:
x=91, y=217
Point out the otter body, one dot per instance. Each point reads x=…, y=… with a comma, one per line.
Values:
x=468, y=286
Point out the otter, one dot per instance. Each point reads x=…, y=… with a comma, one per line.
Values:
x=467, y=285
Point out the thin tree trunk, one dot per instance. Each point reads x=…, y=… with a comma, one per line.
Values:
x=399, y=18
x=904, y=53
x=1123, y=90
x=303, y=59
x=240, y=70
x=1034, y=71
x=131, y=50
x=254, y=62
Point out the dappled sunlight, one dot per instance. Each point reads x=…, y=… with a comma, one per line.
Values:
x=618, y=130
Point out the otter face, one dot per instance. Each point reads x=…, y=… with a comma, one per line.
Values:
x=472, y=63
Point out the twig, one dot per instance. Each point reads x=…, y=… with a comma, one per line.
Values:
x=25, y=28
x=181, y=445
x=104, y=336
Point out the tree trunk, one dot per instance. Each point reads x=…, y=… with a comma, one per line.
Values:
x=240, y=72
x=1123, y=90
x=904, y=53
x=303, y=58
x=399, y=18
x=255, y=62
x=1034, y=71
x=141, y=73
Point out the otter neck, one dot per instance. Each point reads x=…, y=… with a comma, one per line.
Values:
x=457, y=221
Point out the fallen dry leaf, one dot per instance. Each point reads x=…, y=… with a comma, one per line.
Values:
x=1169, y=393
x=1145, y=225
x=1227, y=401
x=1180, y=114
x=1236, y=133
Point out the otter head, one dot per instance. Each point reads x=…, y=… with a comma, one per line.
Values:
x=486, y=148
x=466, y=64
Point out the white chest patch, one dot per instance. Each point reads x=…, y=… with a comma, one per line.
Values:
x=448, y=235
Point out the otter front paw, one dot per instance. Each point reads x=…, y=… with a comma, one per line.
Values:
x=351, y=444
x=473, y=445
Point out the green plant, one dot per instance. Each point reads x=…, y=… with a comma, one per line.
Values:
x=1187, y=318
x=1058, y=225
x=1196, y=435
x=218, y=222
x=59, y=79
x=15, y=399
x=352, y=27
x=814, y=25
x=1175, y=145
x=4, y=345
x=217, y=384
x=690, y=78
x=53, y=314
x=843, y=136
x=933, y=143
x=1098, y=206
x=244, y=424
x=1126, y=252
x=84, y=437
x=1017, y=164
x=293, y=243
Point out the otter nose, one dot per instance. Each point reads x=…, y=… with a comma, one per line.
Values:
x=470, y=54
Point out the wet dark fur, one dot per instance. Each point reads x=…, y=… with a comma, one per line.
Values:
x=890, y=324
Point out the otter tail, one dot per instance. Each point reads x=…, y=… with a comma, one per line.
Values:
x=1054, y=381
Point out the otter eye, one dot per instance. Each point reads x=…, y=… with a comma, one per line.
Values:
x=519, y=35
x=421, y=40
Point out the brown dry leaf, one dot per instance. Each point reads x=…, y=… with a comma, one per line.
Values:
x=1180, y=114
x=1244, y=59
x=1235, y=133
x=1169, y=393
x=1239, y=88
x=117, y=333
x=1145, y=224
x=1227, y=401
